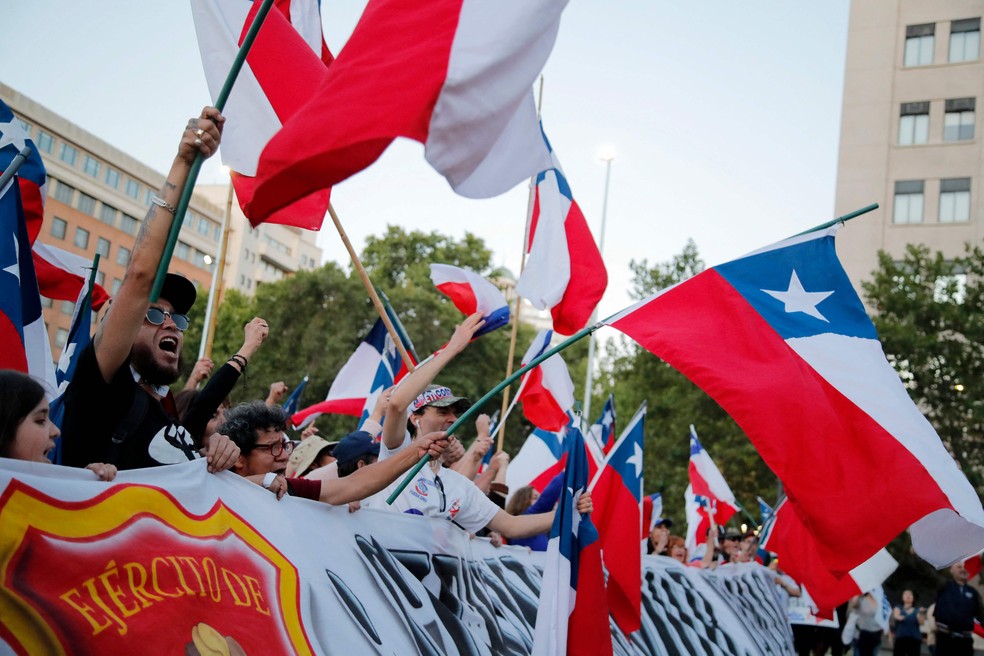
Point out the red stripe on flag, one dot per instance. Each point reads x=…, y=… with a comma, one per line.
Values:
x=461, y=294
x=588, y=276
x=618, y=517
x=830, y=455
x=588, y=633
x=539, y=405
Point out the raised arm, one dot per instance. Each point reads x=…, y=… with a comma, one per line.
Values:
x=524, y=526
x=395, y=424
x=118, y=331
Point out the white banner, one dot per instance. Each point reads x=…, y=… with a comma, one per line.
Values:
x=175, y=560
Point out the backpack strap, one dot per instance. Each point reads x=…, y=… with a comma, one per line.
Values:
x=134, y=416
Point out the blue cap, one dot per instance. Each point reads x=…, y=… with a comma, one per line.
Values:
x=354, y=446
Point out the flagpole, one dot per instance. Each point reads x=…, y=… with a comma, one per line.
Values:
x=179, y=214
x=557, y=349
x=372, y=290
x=215, y=289
x=15, y=164
x=518, y=299
x=589, y=378
x=394, y=317
x=840, y=219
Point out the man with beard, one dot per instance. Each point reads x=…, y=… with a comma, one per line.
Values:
x=118, y=408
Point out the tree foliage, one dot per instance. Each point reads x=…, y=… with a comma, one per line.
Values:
x=929, y=312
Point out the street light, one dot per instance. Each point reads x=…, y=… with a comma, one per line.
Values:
x=607, y=154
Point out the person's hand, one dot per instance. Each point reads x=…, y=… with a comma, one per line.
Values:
x=432, y=444
x=201, y=371
x=480, y=447
x=482, y=424
x=495, y=538
x=308, y=432
x=278, y=390
x=584, y=504
x=202, y=135
x=464, y=333
x=453, y=453
x=103, y=471
x=220, y=452
x=500, y=460
x=255, y=332
x=353, y=506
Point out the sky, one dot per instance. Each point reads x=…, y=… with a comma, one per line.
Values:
x=724, y=119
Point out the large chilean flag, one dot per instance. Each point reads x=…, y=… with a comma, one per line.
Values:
x=547, y=393
x=617, y=495
x=455, y=75
x=781, y=341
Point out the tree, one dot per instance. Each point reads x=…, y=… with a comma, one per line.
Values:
x=929, y=313
x=674, y=403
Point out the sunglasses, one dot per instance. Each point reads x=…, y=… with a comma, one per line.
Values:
x=277, y=447
x=156, y=317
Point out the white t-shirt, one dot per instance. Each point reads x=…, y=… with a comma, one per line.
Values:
x=460, y=501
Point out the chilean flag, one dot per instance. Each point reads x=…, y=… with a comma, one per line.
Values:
x=472, y=293
x=31, y=176
x=64, y=276
x=602, y=432
x=652, y=510
x=617, y=494
x=564, y=271
x=786, y=535
x=708, y=492
x=781, y=341
x=375, y=366
x=547, y=393
x=283, y=69
x=455, y=75
x=22, y=331
x=572, y=614
x=542, y=456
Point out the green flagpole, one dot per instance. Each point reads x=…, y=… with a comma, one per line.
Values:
x=397, y=324
x=15, y=164
x=557, y=349
x=179, y=214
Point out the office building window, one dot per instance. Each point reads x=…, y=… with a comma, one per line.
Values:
x=107, y=214
x=91, y=166
x=86, y=203
x=128, y=224
x=58, y=228
x=965, y=40
x=47, y=302
x=914, y=123
x=81, y=238
x=102, y=247
x=123, y=255
x=64, y=193
x=216, y=232
x=112, y=178
x=148, y=195
x=68, y=154
x=203, y=225
x=920, y=41
x=100, y=277
x=183, y=251
x=954, y=200
x=958, y=122
x=117, y=283
x=908, y=202
x=133, y=189
x=67, y=307
x=45, y=142
x=61, y=337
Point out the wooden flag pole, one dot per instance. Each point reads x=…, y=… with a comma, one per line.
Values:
x=516, y=304
x=557, y=349
x=196, y=166
x=218, y=285
x=372, y=290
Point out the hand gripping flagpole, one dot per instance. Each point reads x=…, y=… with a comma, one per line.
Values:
x=182, y=208
x=465, y=416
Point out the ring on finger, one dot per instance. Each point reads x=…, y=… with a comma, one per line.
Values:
x=199, y=132
x=198, y=142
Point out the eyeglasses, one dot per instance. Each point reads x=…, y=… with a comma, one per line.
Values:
x=277, y=448
x=444, y=498
x=156, y=317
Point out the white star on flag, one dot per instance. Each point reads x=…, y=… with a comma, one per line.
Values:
x=14, y=269
x=11, y=133
x=607, y=419
x=636, y=460
x=797, y=299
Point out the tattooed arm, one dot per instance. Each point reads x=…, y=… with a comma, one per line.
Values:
x=119, y=329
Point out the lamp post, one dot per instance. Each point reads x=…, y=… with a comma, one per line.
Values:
x=607, y=154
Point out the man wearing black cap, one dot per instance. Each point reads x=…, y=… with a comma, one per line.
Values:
x=118, y=408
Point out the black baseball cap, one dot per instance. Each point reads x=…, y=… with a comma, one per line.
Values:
x=179, y=291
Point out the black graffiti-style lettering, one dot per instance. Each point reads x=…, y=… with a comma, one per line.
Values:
x=355, y=608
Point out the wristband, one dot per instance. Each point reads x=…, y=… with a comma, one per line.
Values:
x=160, y=202
x=269, y=479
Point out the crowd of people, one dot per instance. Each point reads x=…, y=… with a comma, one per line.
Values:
x=120, y=413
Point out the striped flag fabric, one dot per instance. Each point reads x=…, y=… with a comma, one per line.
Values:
x=472, y=293
x=293, y=401
x=64, y=276
x=546, y=392
x=31, y=176
x=602, y=433
x=652, y=511
x=564, y=270
x=283, y=69
x=572, y=613
x=765, y=510
x=455, y=75
x=707, y=493
x=784, y=324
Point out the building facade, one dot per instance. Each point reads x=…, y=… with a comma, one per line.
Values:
x=98, y=195
x=909, y=141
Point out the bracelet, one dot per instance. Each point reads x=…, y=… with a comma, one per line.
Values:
x=240, y=360
x=160, y=202
x=269, y=479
